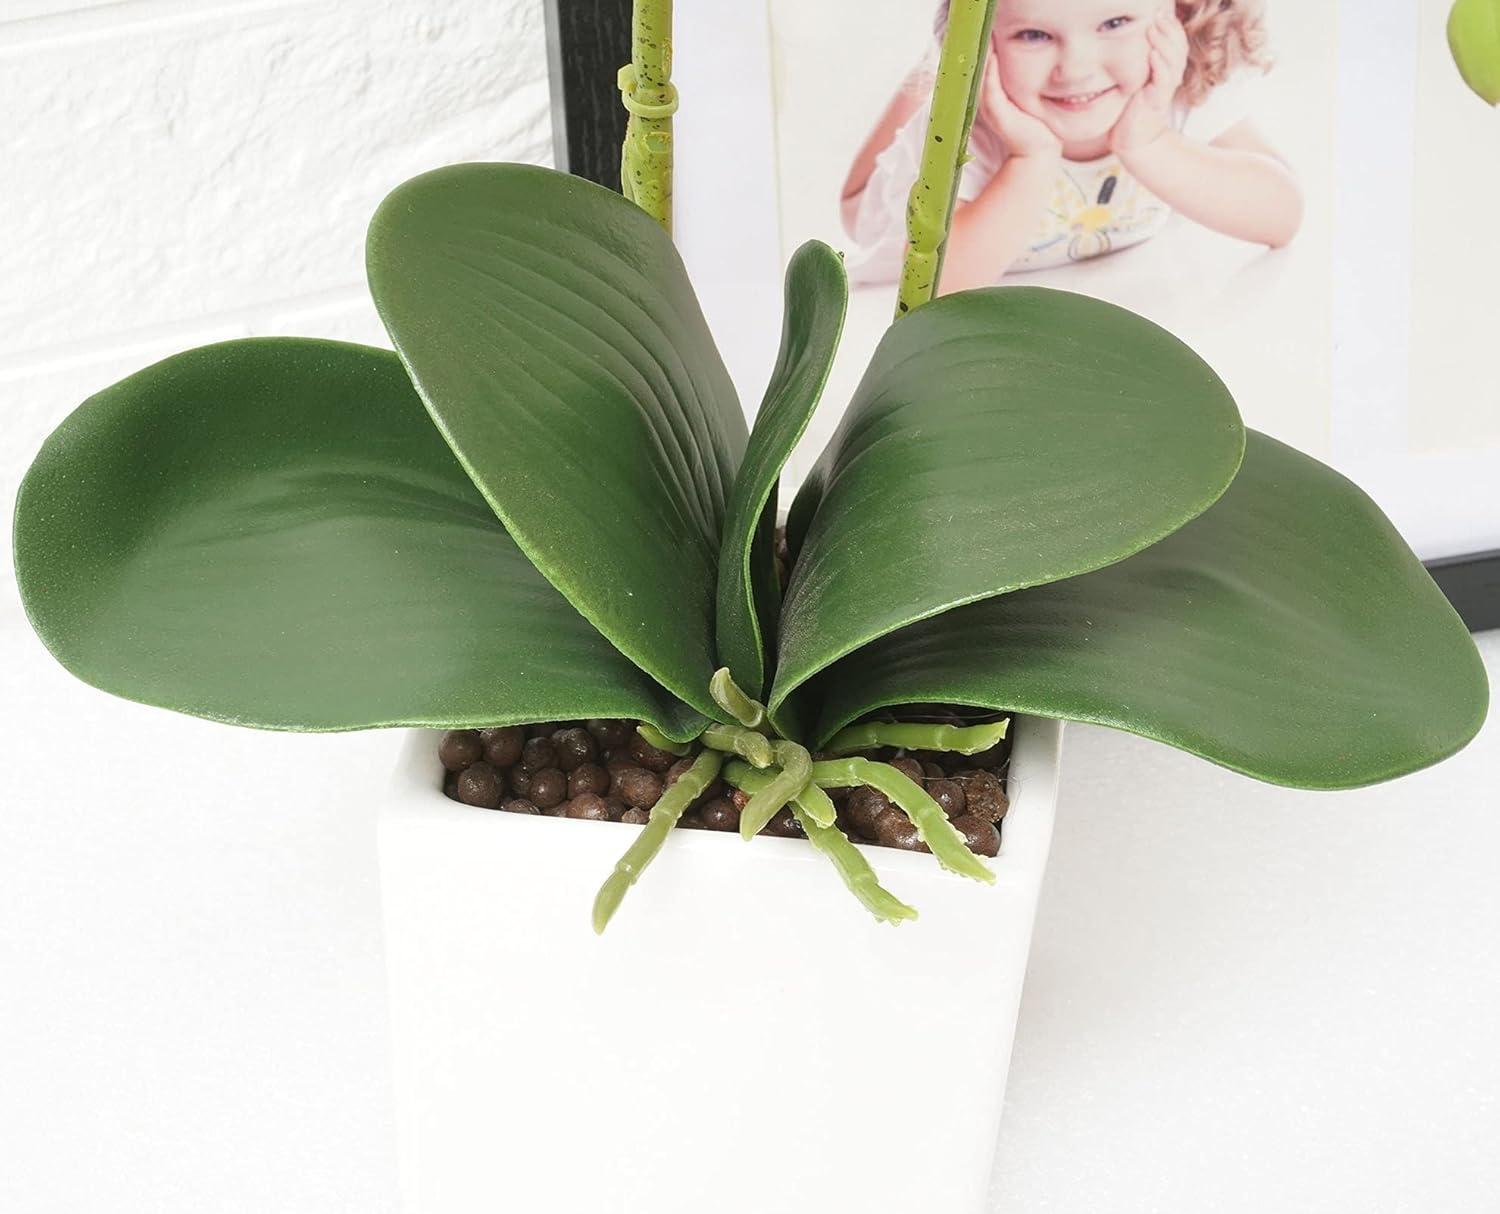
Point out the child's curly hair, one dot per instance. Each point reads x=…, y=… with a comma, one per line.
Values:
x=1223, y=36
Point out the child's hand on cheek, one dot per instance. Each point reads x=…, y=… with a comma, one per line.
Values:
x=1023, y=133
x=1148, y=113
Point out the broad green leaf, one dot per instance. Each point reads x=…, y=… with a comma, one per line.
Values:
x=1001, y=438
x=272, y=533
x=817, y=294
x=1288, y=634
x=551, y=330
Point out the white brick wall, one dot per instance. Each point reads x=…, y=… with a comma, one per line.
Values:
x=174, y=172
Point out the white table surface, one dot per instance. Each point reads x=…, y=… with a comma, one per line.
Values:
x=1240, y=999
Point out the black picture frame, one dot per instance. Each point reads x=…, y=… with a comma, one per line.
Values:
x=587, y=43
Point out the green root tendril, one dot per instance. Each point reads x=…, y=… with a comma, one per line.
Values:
x=810, y=806
x=728, y=696
x=796, y=771
x=962, y=739
x=664, y=816
x=655, y=737
x=816, y=803
x=746, y=743
x=933, y=827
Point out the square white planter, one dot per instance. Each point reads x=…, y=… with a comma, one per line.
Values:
x=744, y=1038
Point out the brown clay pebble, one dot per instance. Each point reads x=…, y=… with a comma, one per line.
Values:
x=676, y=772
x=985, y=796
x=649, y=756
x=740, y=798
x=502, y=747
x=909, y=768
x=864, y=808
x=720, y=814
x=459, y=748
x=543, y=729
x=949, y=794
x=574, y=748
x=933, y=770
x=637, y=787
x=690, y=822
x=450, y=784
x=895, y=829
x=783, y=825
x=588, y=777
x=549, y=787
x=636, y=817
x=479, y=784
x=537, y=754
x=519, y=805
x=620, y=762
x=590, y=807
x=980, y=837
x=520, y=781
x=611, y=733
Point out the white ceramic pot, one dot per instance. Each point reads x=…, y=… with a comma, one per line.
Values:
x=744, y=1038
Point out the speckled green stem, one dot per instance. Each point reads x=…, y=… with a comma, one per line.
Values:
x=647, y=92
x=961, y=739
x=955, y=95
x=736, y=740
x=932, y=824
x=728, y=696
x=664, y=816
x=655, y=737
x=796, y=770
x=810, y=806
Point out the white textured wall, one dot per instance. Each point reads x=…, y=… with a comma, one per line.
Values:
x=174, y=172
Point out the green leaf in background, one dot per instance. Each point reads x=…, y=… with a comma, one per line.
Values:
x=1288, y=633
x=272, y=533
x=749, y=597
x=550, y=328
x=1001, y=438
x=1474, y=39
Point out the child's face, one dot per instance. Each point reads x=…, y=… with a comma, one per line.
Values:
x=1073, y=63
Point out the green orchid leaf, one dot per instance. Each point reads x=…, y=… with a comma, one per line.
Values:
x=817, y=294
x=1288, y=633
x=1000, y=439
x=551, y=330
x=272, y=533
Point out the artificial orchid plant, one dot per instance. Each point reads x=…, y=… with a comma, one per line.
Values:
x=546, y=505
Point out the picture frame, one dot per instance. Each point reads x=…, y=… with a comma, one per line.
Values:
x=727, y=181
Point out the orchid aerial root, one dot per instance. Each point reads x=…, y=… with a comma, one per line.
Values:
x=932, y=824
x=961, y=739
x=811, y=805
x=777, y=772
x=664, y=815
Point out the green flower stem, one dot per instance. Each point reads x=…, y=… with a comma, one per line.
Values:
x=796, y=770
x=655, y=737
x=955, y=95
x=847, y=859
x=664, y=816
x=647, y=92
x=932, y=824
x=961, y=739
x=738, y=741
x=728, y=696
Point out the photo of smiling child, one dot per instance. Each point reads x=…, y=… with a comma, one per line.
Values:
x=1096, y=121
